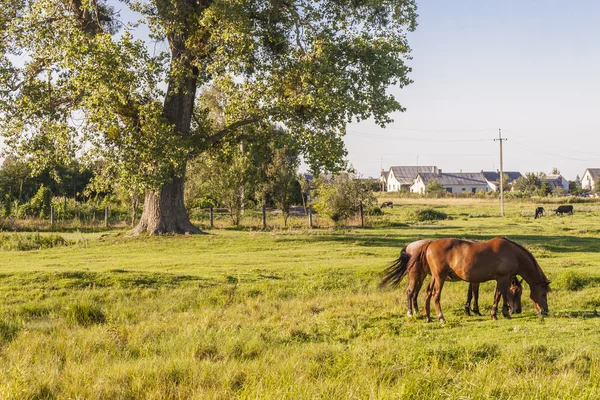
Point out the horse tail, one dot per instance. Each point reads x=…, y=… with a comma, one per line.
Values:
x=394, y=274
x=543, y=277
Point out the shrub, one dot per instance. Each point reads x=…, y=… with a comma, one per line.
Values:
x=374, y=211
x=8, y=330
x=572, y=281
x=30, y=241
x=426, y=214
x=85, y=314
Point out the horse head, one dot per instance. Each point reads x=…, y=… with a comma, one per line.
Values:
x=514, y=295
x=539, y=296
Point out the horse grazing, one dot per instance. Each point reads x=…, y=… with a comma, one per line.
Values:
x=416, y=275
x=497, y=259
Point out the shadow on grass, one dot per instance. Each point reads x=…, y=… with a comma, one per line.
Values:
x=117, y=278
x=553, y=244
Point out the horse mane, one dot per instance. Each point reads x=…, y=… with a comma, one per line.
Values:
x=543, y=279
x=394, y=274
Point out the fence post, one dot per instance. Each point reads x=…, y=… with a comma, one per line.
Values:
x=264, y=216
x=51, y=215
x=106, y=216
x=212, y=218
x=362, y=215
x=310, y=222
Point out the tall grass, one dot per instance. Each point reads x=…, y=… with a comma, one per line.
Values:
x=295, y=314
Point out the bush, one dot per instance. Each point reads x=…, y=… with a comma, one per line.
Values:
x=572, y=281
x=85, y=314
x=426, y=214
x=8, y=330
x=341, y=199
x=374, y=211
x=31, y=241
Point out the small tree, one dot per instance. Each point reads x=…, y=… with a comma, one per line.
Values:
x=341, y=199
x=283, y=184
x=435, y=189
x=40, y=204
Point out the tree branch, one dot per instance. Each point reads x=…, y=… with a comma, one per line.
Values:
x=225, y=131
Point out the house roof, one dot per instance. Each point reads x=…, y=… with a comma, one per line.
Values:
x=494, y=176
x=406, y=174
x=455, y=178
x=594, y=172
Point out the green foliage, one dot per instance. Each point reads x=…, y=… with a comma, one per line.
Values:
x=282, y=183
x=341, y=199
x=426, y=214
x=9, y=328
x=39, y=206
x=88, y=87
x=30, y=241
x=85, y=313
x=572, y=281
x=435, y=189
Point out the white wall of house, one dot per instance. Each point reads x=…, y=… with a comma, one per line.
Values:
x=587, y=182
x=392, y=183
x=420, y=187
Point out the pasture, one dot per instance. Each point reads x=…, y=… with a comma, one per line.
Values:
x=295, y=314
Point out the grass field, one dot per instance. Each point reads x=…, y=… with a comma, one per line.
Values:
x=294, y=314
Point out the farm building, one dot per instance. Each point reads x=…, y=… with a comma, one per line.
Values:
x=590, y=178
x=556, y=181
x=493, y=178
x=402, y=177
x=455, y=182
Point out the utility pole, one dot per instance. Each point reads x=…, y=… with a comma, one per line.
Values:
x=500, y=139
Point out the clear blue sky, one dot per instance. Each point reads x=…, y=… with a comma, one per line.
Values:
x=529, y=68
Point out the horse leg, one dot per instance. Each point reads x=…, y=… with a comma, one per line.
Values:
x=428, y=300
x=437, y=293
x=415, y=297
x=501, y=291
x=412, y=290
x=469, y=298
x=476, y=298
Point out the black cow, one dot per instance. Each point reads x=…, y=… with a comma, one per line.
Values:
x=564, y=210
x=539, y=212
x=387, y=204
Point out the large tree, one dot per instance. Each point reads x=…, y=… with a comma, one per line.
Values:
x=74, y=78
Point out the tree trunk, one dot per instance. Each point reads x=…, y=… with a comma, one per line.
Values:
x=164, y=211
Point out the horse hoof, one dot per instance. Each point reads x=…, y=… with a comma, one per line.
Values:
x=495, y=318
x=477, y=312
x=442, y=321
x=409, y=314
x=427, y=319
x=467, y=311
x=507, y=316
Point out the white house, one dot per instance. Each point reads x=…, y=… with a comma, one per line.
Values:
x=402, y=177
x=589, y=179
x=455, y=182
x=493, y=178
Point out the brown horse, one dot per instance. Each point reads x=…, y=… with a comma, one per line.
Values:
x=498, y=259
x=416, y=275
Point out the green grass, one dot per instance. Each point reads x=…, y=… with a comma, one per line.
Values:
x=295, y=314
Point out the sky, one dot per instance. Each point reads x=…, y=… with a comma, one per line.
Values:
x=528, y=68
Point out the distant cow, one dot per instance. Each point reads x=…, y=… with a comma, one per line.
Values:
x=387, y=204
x=564, y=210
x=539, y=212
